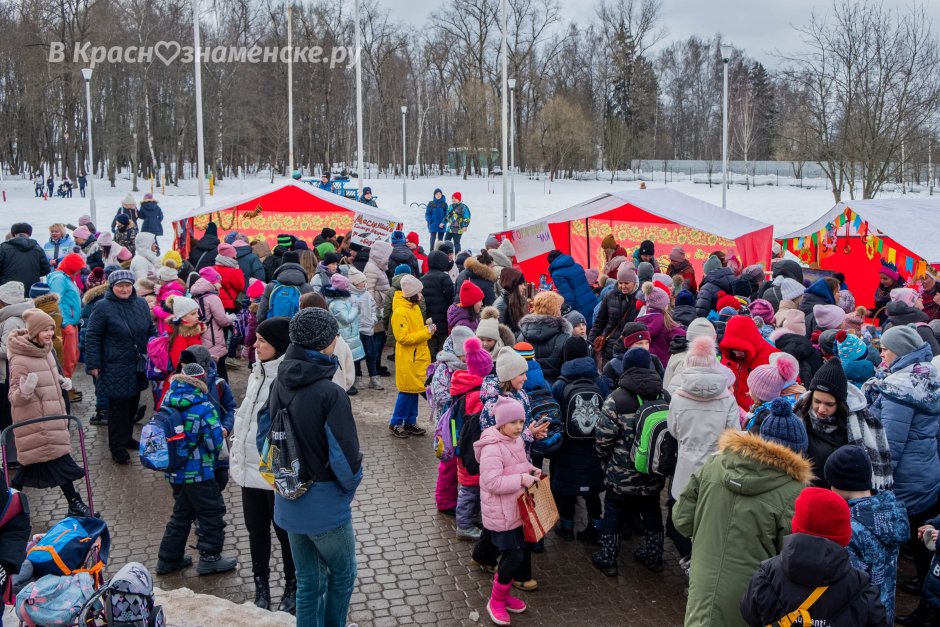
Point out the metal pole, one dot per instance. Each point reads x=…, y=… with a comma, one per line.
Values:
x=512, y=147
x=404, y=160
x=91, y=158
x=504, y=106
x=724, y=138
x=290, y=93
x=200, y=151
x=360, y=169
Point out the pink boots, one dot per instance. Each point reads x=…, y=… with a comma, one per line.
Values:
x=501, y=603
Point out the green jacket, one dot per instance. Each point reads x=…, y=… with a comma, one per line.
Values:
x=737, y=508
x=457, y=218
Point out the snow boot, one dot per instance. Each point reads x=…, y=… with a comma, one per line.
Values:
x=212, y=563
x=651, y=555
x=470, y=533
x=591, y=533
x=360, y=383
x=289, y=600
x=514, y=605
x=165, y=568
x=375, y=383
x=565, y=529
x=100, y=418
x=77, y=507
x=605, y=560
x=262, y=593
x=496, y=606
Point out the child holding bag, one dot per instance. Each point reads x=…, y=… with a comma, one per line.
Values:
x=505, y=472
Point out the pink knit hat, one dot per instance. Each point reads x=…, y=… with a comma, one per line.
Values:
x=591, y=275
x=507, y=410
x=479, y=361
x=702, y=353
x=656, y=298
x=829, y=316
x=904, y=295
x=124, y=254
x=767, y=382
x=239, y=243
x=794, y=321
x=81, y=232
x=211, y=275
x=84, y=220
x=677, y=254
x=763, y=310
x=226, y=250
x=255, y=288
x=339, y=282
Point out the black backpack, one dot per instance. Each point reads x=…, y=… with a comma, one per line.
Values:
x=583, y=408
x=470, y=432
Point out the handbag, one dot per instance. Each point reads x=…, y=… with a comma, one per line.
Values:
x=601, y=340
x=538, y=510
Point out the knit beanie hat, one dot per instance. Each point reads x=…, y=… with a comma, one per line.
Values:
x=889, y=270
x=762, y=309
x=727, y=300
x=854, y=320
x=167, y=274
x=276, y=331
x=901, y=340
x=124, y=254
x=656, y=298
x=507, y=410
x=106, y=239
x=479, y=362
x=574, y=348
x=590, y=275
x=754, y=272
x=171, y=255
x=711, y=264
x=575, y=317
x=609, y=241
x=81, y=232
x=339, y=282
x=794, y=321
x=39, y=289
x=123, y=219
x=226, y=250
x=525, y=349
x=459, y=337
x=285, y=240
x=700, y=327
x=323, y=249
x=626, y=273
x=291, y=256
x=255, y=288
x=822, y=513
x=211, y=275
x=768, y=381
x=509, y=364
x=355, y=276
x=404, y=268
x=850, y=347
x=37, y=321
x=410, y=286
x=685, y=298
x=827, y=342
x=121, y=276
x=313, y=328
x=647, y=247
x=830, y=378
x=398, y=237
x=490, y=243
x=848, y=468
x=637, y=358
x=11, y=293
x=194, y=370
x=84, y=220
x=330, y=258
x=783, y=427
x=677, y=254
x=488, y=329
x=470, y=294
x=904, y=295
x=71, y=264
x=181, y=306
x=828, y=316
x=790, y=289
x=645, y=271
x=633, y=332
x=701, y=353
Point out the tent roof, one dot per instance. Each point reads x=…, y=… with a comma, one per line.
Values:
x=911, y=222
x=665, y=203
x=334, y=199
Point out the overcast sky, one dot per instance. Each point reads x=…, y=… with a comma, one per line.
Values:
x=761, y=27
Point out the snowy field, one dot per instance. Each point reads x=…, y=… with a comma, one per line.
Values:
x=787, y=207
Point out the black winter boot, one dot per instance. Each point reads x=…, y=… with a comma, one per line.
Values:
x=605, y=560
x=212, y=563
x=591, y=533
x=77, y=507
x=289, y=600
x=262, y=593
x=651, y=555
x=923, y=616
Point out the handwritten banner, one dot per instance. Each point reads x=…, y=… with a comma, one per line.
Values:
x=532, y=241
x=367, y=231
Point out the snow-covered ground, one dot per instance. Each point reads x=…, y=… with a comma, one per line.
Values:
x=787, y=206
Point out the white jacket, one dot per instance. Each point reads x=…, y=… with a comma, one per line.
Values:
x=345, y=376
x=143, y=264
x=243, y=453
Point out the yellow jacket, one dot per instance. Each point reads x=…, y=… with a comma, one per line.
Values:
x=412, y=356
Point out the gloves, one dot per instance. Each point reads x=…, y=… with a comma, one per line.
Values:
x=679, y=344
x=65, y=383
x=28, y=383
x=527, y=480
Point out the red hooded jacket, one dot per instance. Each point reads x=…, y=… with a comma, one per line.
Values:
x=741, y=334
x=460, y=383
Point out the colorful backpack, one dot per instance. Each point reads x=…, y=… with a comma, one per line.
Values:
x=654, y=449
x=542, y=405
x=163, y=445
x=54, y=600
x=583, y=403
x=128, y=599
x=159, y=366
x=64, y=550
x=449, y=425
x=284, y=300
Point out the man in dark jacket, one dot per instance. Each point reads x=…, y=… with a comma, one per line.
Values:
x=617, y=309
x=151, y=214
x=781, y=267
x=434, y=214
x=438, y=294
x=367, y=198
x=813, y=571
x=21, y=258
x=360, y=256
x=273, y=262
x=205, y=250
x=289, y=273
x=402, y=254
x=248, y=262
x=717, y=279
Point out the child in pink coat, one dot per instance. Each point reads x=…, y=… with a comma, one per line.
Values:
x=505, y=472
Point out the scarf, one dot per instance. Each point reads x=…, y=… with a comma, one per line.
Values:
x=866, y=431
x=821, y=426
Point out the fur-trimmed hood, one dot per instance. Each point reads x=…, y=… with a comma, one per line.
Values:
x=95, y=292
x=191, y=330
x=196, y=383
x=46, y=299
x=484, y=272
x=541, y=328
x=753, y=465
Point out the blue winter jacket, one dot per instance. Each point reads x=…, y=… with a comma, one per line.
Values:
x=221, y=396
x=879, y=526
x=56, y=251
x=821, y=290
x=907, y=401
x=715, y=281
x=70, y=301
x=571, y=283
x=152, y=216
x=435, y=212
x=535, y=378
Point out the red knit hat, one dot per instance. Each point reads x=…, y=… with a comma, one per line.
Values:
x=470, y=294
x=727, y=300
x=456, y=196
x=822, y=513
x=71, y=264
x=414, y=238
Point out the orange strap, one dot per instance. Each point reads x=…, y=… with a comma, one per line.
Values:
x=65, y=569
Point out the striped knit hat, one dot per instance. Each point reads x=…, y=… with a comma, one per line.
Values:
x=525, y=349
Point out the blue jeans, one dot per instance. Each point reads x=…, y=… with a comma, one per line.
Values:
x=326, y=575
x=406, y=409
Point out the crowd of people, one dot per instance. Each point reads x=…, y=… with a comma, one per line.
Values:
x=793, y=432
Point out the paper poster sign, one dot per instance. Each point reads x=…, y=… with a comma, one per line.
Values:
x=367, y=231
x=532, y=241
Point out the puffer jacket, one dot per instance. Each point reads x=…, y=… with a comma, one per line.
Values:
x=571, y=283
x=11, y=317
x=401, y=254
x=807, y=562
x=808, y=356
x=480, y=275
x=56, y=251
x=438, y=292
x=616, y=430
x=49, y=440
x=377, y=278
x=684, y=315
x=70, y=299
x=816, y=294
x=390, y=299
x=23, y=260
x=249, y=264
x=502, y=462
x=213, y=314
x=719, y=280
x=435, y=212
x=615, y=307
x=547, y=335
x=201, y=426
x=879, y=527
x=900, y=314
x=738, y=507
x=460, y=316
x=144, y=263
x=152, y=216
x=205, y=251
x=741, y=334
x=660, y=336
x=907, y=401
x=233, y=282
x=243, y=453
x=288, y=274
x=700, y=411
x=412, y=356
x=346, y=311
x=462, y=382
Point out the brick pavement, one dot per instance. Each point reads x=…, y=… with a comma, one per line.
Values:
x=412, y=570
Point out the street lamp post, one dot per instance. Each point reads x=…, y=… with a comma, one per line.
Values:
x=200, y=150
x=290, y=91
x=404, y=162
x=86, y=74
x=360, y=170
x=725, y=57
x=512, y=148
x=504, y=10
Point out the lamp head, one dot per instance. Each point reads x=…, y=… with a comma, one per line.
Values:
x=86, y=73
x=512, y=83
x=726, y=51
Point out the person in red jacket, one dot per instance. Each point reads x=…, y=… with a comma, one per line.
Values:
x=414, y=243
x=233, y=279
x=743, y=349
x=186, y=330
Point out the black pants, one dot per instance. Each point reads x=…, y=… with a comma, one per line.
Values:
x=567, y=504
x=258, y=506
x=222, y=369
x=435, y=237
x=683, y=544
x=200, y=502
x=617, y=506
x=455, y=238
x=486, y=553
x=513, y=564
x=121, y=414
x=922, y=556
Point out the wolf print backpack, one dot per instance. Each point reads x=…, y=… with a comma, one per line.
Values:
x=583, y=403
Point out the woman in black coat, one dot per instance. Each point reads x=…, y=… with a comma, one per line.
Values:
x=115, y=352
x=617, y=310
x=205, y=250
x=438, y=294
x=479, y=270
x=547, y=332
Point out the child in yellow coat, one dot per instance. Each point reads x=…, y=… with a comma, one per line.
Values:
x=412, y=356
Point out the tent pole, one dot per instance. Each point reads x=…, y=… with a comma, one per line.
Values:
x=587, y=241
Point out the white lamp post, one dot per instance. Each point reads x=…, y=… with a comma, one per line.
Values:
x=359, y=157
x=404, y=162
x=290, y=93
x=86, y=74
x=512, y=147
x=504, y=105
x=200, y=151
x=726, y=51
